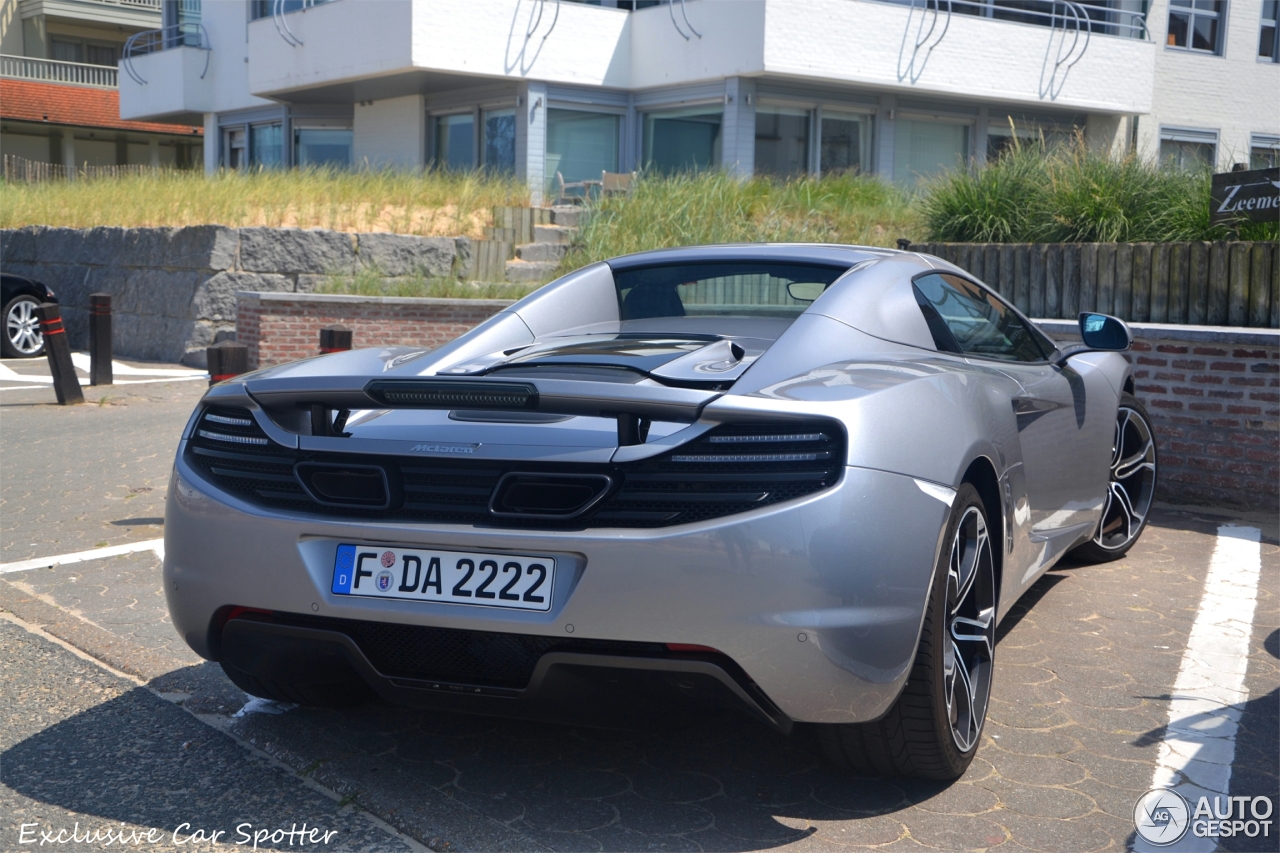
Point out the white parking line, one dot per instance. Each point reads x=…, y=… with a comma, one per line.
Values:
x=1204, y=711
x=156, y=545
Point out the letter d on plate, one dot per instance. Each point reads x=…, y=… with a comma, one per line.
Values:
x=342, y=569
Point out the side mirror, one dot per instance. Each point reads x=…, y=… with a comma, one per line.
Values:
x=1101, y=332
x=805, y=291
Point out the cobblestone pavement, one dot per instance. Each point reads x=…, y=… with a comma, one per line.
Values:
x=1085, y=663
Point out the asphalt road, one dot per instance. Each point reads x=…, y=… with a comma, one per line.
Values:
x=1085, y=667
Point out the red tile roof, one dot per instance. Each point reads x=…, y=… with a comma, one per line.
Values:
x=80, y=106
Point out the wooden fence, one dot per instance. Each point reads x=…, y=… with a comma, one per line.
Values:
x=1199, y=284
x=30, y=171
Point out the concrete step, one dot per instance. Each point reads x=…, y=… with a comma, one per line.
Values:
x=568, y=215
x=542, y=251
x=553, y=234
x=531, y=271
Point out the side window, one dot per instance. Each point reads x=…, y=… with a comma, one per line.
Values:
x=978, y=322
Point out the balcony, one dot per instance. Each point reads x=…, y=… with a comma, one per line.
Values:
x=53, y=71
x=167, y=75
x=131, y=14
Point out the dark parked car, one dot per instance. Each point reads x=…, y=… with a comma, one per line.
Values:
x=21, y=296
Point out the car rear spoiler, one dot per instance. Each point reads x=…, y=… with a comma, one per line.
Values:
x=331, y=398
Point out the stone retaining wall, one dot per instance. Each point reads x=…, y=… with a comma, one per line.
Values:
x=1214, y=395
x=174, y=289
x=1213, y=392
x=281, y=327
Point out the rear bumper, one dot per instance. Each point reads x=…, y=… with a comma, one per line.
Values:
x=817, y=601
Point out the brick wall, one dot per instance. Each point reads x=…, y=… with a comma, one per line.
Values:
x=1214, y=395
x=280, y=327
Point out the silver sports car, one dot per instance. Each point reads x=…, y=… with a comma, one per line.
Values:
x=804, y=481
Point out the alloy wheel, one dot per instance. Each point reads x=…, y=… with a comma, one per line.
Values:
x=23, y=327
x=970, y=609
x=1131, y=483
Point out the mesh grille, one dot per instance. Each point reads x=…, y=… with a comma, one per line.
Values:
x=483, y=658
x=730, y=469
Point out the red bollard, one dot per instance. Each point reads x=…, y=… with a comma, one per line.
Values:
x=226, y=360
x=334, y=339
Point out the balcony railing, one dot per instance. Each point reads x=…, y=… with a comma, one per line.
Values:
x=56, y=71
x=190, y=34
x=1124, y=18
x=141, y=5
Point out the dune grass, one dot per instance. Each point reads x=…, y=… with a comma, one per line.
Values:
x=425, y=203
x=1069, y=193
x=369, y=281
x=713, y=207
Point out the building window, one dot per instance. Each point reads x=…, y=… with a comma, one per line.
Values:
x=499, y=147
x=266, y=145
x=322, y=146
x=455, y=141
x=925, y=148
x=234, y=144
x=580, y=145
x=682, y=140
x=1187, y=149
x=1264, y=151
x=1269, y=38
x=782, y=142
x=846, y=143
x=1196, y=25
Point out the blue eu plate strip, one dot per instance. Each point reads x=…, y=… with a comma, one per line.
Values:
x=342, y=569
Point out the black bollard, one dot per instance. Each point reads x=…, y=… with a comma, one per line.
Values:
x=58, y=351
x=334, y=339
x=904, y=244
x=100, y=339
x=226, y=359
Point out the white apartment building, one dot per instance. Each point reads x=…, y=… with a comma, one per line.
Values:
x=562, y=91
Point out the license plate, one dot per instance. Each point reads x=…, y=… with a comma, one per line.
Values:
x=452, y=577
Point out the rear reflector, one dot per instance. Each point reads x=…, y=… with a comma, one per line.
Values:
x=690, y=647
x=452, y=394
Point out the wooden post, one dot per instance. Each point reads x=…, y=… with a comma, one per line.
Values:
x=334, y=339
x=1218, y=284
x=65, y=384
x=1179, y=268
x=1275, y=287
x=1122, y=291
x=1238, y=284
x=1259, y=284
x=1021, y=292
x=1037, y=263
x=1106, y=277
x=976, y=268
x=100, y=372
x=1140, y=284
x=991, y=264
x=1088, y=277
x=226, y=360
x=1159, y=283
x=1070, y=280
x=1053, y=281
x=1198, y=284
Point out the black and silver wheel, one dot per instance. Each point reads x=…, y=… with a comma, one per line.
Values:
x=933, y=729
x=22, y=337
x=1131, y=485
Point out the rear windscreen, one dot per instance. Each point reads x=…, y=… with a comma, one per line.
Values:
x=728, y=289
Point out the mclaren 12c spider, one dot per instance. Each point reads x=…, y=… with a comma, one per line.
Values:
x=806, y=481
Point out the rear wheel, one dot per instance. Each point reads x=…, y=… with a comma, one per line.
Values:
x=933, y=729
x=1131, y=486
x=335, y=694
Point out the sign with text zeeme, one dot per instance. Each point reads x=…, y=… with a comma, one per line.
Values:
x=1252, y=196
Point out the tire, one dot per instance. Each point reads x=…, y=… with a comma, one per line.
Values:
x=337, y=694
x=22, y=337
x=1131, y=486
x=930, y=732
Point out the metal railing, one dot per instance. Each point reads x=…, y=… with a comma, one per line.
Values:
x=146, y=5
x=190, y=34
x=56, y=71
x=1102, y=17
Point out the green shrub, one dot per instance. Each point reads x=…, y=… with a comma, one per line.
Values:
x=1070, y=193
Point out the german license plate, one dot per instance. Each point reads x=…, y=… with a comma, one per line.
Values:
x=451, y=577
